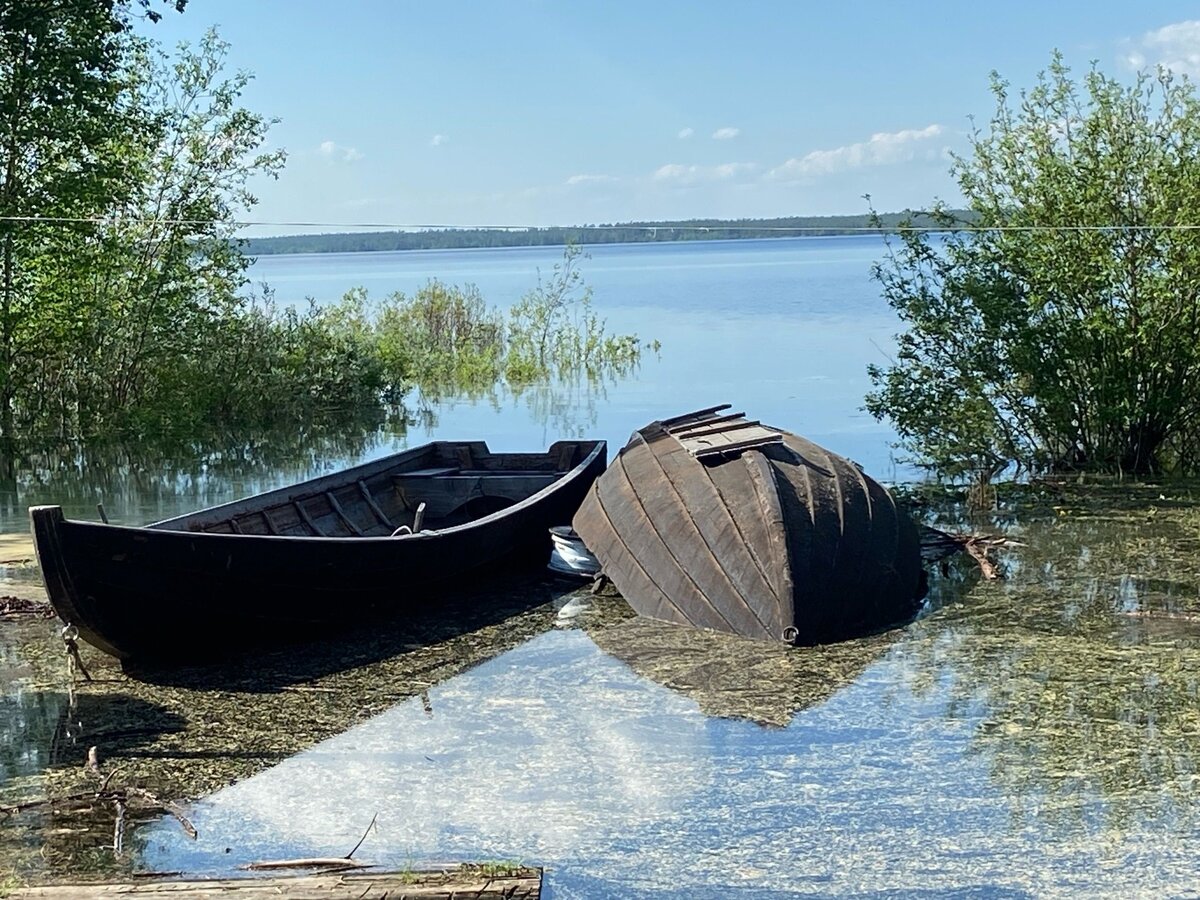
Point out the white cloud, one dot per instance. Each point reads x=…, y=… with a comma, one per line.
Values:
x=337, y=152
x=675, y=173
x=882, y=149
x=590, y=179
x=686, y=133
x=725, y=134
x=1175, y=47
x=437, y=140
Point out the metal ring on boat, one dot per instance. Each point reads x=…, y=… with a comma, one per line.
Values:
x=790, y=634
x=69, y=633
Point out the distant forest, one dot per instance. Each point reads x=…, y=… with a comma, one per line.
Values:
x=622, y=233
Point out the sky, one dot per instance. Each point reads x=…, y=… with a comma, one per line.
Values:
x=527, y=112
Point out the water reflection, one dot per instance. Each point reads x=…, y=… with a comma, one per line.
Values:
x=731, y=677
x=156, y=479
x=1052, y=719
x=149, y=480
x=1082, y=671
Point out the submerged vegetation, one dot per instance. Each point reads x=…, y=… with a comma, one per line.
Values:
x=125, y=305
x=1061, y=330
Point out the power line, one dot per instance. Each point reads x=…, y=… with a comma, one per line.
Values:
x=633, y=226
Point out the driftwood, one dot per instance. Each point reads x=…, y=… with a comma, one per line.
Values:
x=20, y=606
x=122, y=798
x=937, y=545
x=84, y=800
x=308, y=862
x=331, y=863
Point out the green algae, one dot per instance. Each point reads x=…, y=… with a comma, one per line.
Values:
x=1077, y=679
x=183, y=733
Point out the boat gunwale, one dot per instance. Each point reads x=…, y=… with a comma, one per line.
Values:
x=599, y=447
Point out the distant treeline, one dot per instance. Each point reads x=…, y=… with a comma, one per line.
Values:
x=622, y=233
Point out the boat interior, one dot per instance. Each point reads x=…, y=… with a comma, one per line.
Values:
x=437, y=486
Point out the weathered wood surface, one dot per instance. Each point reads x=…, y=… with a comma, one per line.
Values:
x=312, y=555
x=771, y=537
x=365, y=885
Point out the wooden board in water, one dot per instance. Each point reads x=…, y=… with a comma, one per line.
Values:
x=358, y=885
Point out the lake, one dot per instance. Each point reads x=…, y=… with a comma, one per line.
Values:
x=782, y=328
x=1038, y=736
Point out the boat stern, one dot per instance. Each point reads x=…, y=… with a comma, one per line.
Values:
x=49, y=524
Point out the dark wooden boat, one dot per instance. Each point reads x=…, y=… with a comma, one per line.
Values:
x=374, y=538
x=717, y=522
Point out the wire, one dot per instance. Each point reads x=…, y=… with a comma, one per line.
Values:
x=633, y=226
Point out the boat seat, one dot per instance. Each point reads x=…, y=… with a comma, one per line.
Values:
x=444, y=495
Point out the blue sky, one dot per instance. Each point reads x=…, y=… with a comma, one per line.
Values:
x=538, y=113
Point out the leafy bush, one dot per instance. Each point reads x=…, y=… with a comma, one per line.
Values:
x=1061, y=331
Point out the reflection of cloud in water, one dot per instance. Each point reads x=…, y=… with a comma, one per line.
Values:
x=501, y=767
x=557, y=754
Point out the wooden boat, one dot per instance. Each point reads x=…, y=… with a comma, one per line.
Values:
x=718, y=522
x=374, y=538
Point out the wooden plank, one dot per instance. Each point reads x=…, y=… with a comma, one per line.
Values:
x=369, y=884
x=714, y=444
x=444, y=495
x=638, y=525
x=698, y=414
x=595, y=524
x=711, y=423
x=566, y=453
x=307, y=519
x=720, y=521
x=676, y=526
x=740, y=430
x=761, y=530
x=812, y=549
x=287, y=521
x=875, y=567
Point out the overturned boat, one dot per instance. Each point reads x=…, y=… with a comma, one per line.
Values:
x=373, y=539
x=719, y=522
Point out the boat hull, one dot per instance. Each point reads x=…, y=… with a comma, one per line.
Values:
x=781, y=541
x=163, y=592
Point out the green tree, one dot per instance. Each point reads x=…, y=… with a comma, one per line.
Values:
x=61, y=93
x=159, y=286
x=1061, y=330
x=67, y=112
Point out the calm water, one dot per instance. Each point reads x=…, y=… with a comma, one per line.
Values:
x=783, y=329
x=1034, y=738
